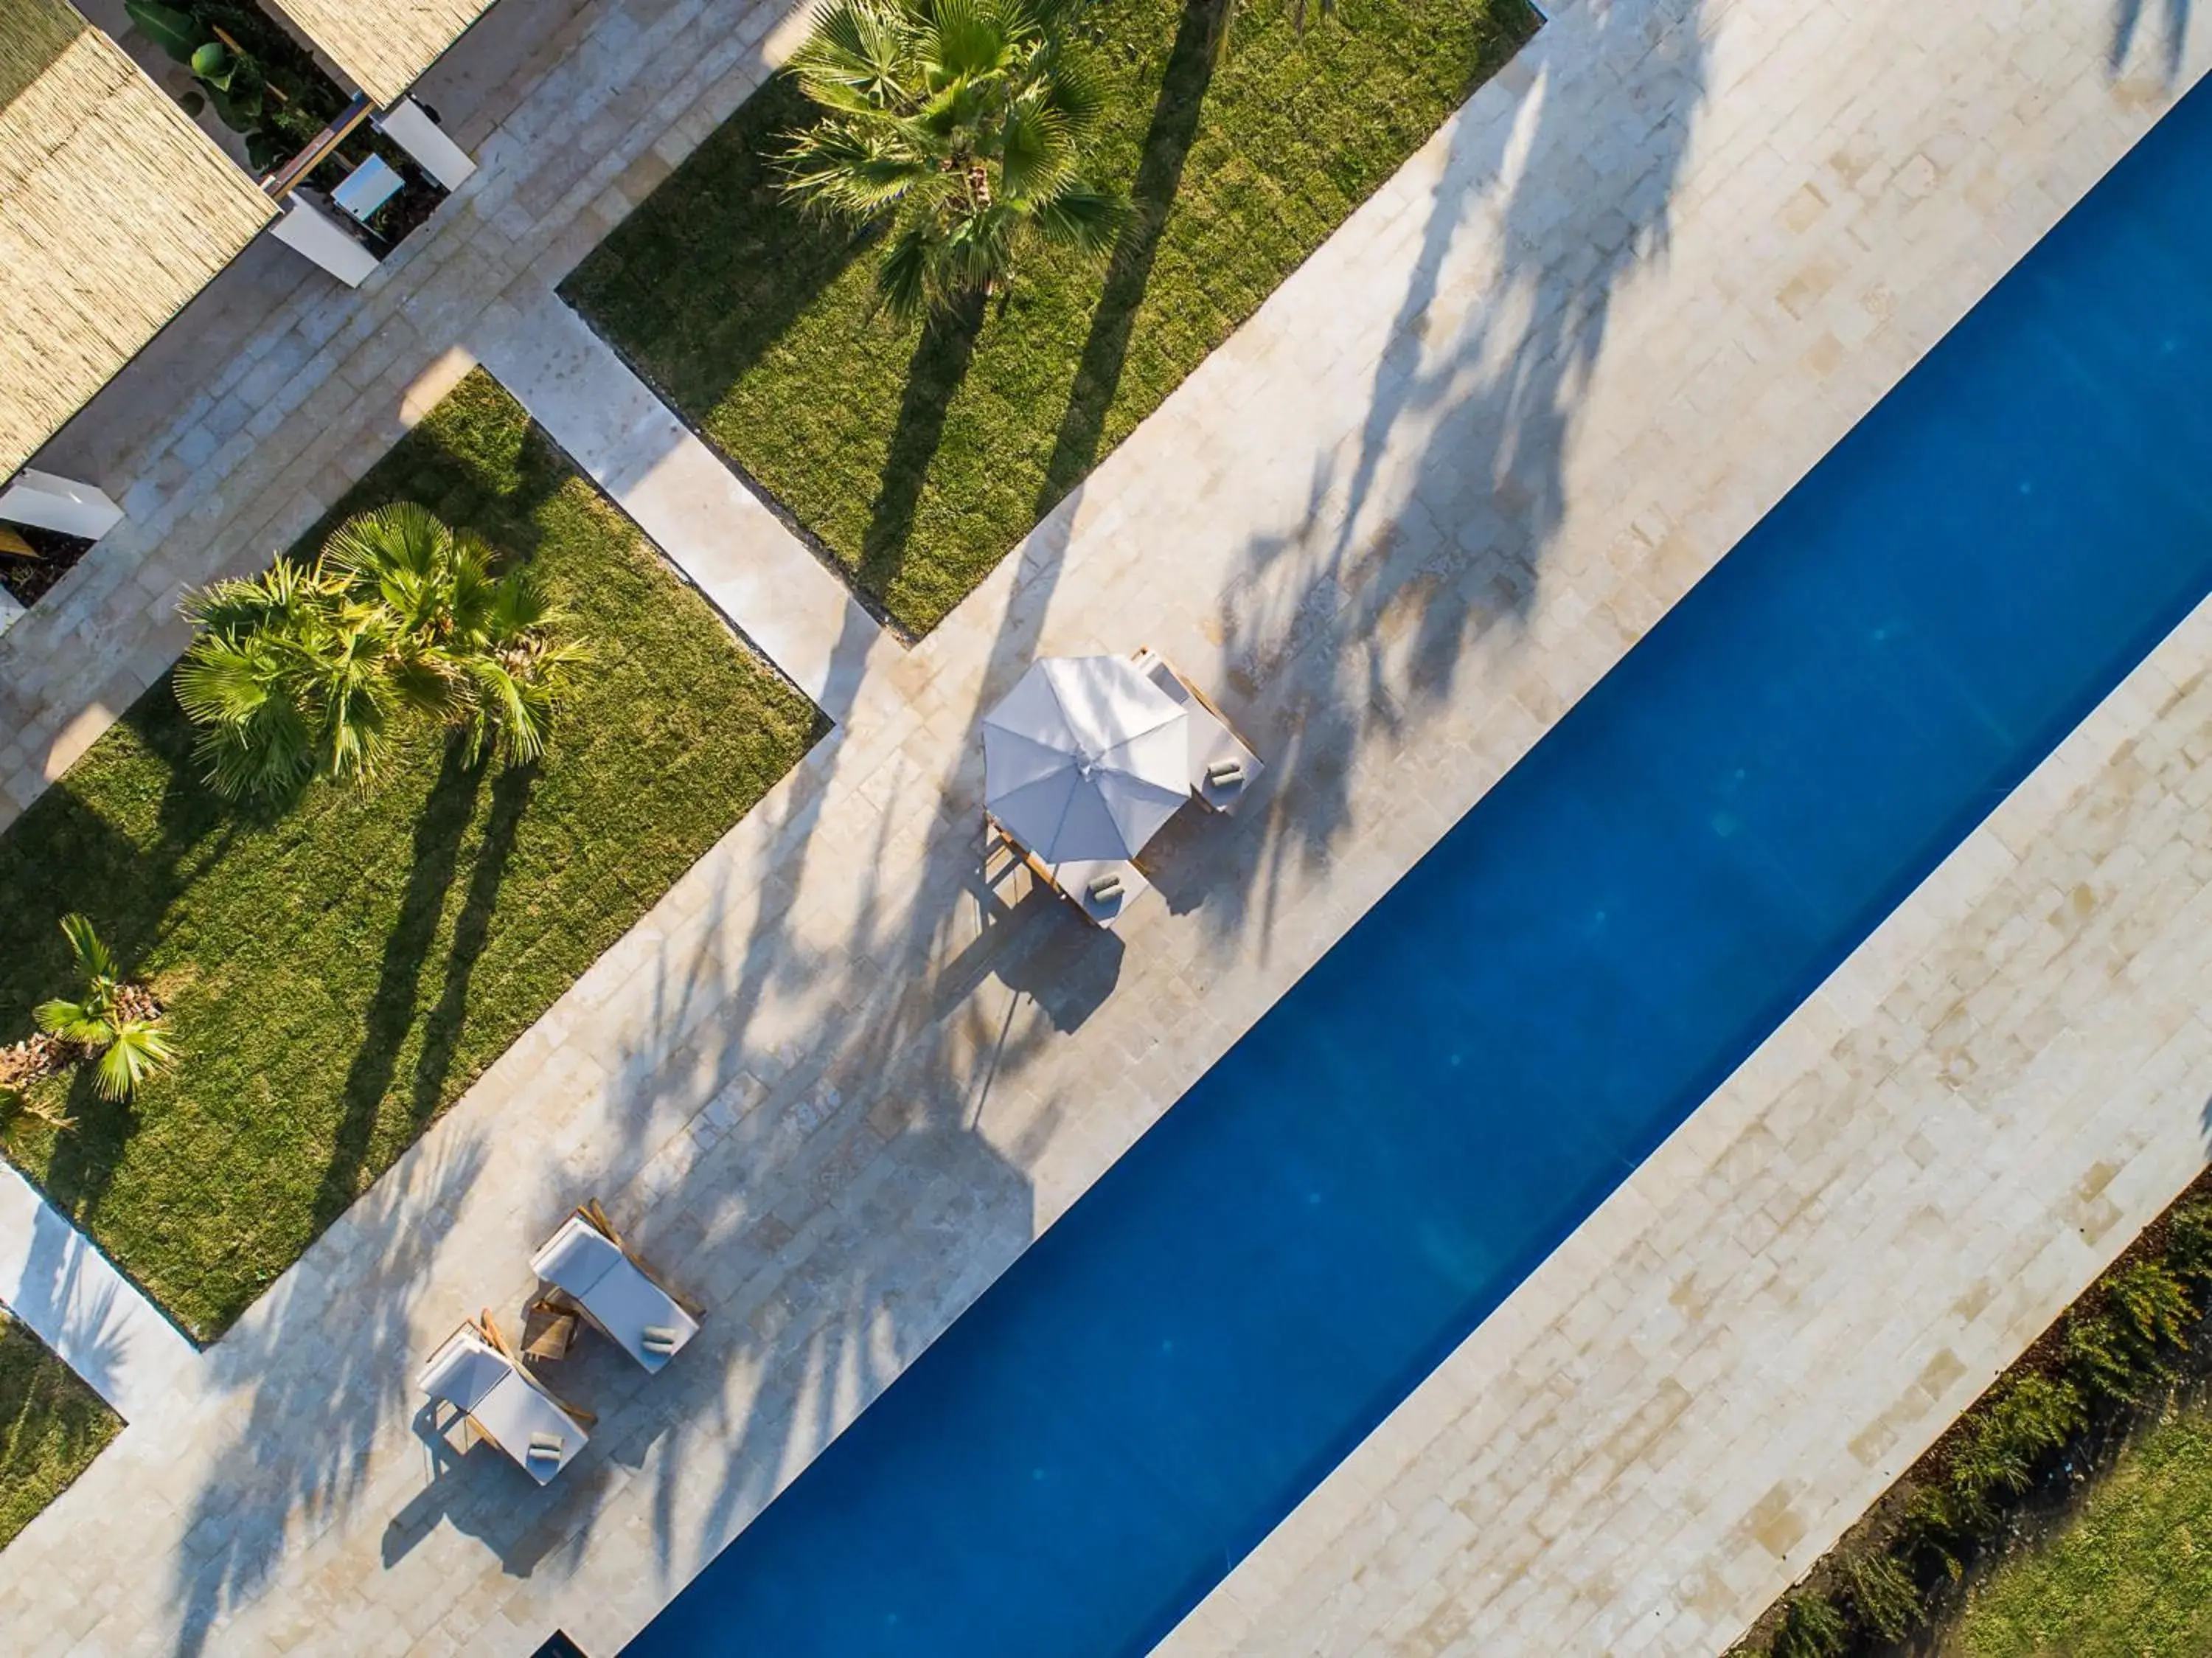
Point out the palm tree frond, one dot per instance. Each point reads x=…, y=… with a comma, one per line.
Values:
x=1087, y=220
x=1038, y=156
x=93, y=960
x=81, y=1022
x=963, y=40
x=903, y=278
x=851, y=58
x=139, y=1048
x=975, y=155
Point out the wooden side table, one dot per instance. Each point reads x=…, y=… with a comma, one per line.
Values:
x=549, y=1331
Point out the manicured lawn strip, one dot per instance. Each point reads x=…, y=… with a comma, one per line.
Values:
x=51, y=1426
x=339, y=972
x=2129, y=1576
x=920, y=459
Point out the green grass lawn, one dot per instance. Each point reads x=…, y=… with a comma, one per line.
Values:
x=338, y=973
x=919, y=459
x=2129, y=1576
x=51, y=1426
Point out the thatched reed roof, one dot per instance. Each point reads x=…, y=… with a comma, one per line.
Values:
x=384, y=45
x=114, y=212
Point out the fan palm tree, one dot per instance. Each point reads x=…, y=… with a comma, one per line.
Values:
x=289, y=678
x=960, y=126
x=490, y=653
x=299, y=671
x=111, y=1018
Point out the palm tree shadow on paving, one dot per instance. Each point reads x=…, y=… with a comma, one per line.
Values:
x=326, y=1356
x=2172, y=28
x=833, y=1324
x=771, y=1074
x=921, y=1055
x=913, y=1069
x=1369, y=606
x=1167, y=146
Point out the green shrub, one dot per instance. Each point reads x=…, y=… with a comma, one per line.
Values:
x=1811, y=1627
x=2155, y=1303
x=1882, y=1594
x=1939, y=1521
x=2188, y=1242
x=2016, y=1426
x=2121, y=1352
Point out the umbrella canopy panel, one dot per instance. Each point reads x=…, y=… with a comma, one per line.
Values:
x=114, y=212
x=1085, y=759
x=384, y=45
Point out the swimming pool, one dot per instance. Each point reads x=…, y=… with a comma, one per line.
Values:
x=1449, y=1092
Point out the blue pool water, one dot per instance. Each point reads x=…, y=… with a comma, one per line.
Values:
x=1464, y=1077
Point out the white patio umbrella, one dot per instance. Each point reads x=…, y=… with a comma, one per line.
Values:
x=1085, y=759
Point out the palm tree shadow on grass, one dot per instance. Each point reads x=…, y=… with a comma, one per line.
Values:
x=439, y=832
x=934, y=377
x=1168, y=142
x=698, y=285
x=442, y=1031
x=947, y=346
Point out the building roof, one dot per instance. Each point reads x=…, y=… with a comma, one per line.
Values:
x=114, y=212
x=384, y=45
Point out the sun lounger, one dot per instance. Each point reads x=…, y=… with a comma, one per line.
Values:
x=588, y=1264
x=1223, y=767
x=1102, y=888
x=474, y=1372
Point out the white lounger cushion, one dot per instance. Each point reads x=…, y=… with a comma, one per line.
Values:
x=626, y=1303
x=1212, y=743
x=621, y=1299
x=576, y=1257
x=462, y=1371
x=514, y=1413
x=500, y=1400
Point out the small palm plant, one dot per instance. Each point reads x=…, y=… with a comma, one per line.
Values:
x=960, y=127
x=18, y=1108
x=111, y=1019
x=301, y=670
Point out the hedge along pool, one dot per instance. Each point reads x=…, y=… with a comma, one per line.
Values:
x=1587, y=955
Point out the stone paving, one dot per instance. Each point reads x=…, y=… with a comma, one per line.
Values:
x=70, y=1295
x=841, y=1077
x=738, y=554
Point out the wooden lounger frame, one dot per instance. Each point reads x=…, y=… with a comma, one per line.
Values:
x=593, y=1214
x=486, y=1329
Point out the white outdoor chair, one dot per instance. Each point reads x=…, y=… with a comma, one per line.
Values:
x=588, y=1263
x=1223, y=767
x=475, y=1372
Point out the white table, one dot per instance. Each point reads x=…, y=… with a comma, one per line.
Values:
x=368, y=187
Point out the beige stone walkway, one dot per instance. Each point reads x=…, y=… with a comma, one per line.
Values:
x=93, y=1319
x=839, y=1081
x=763, y=579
